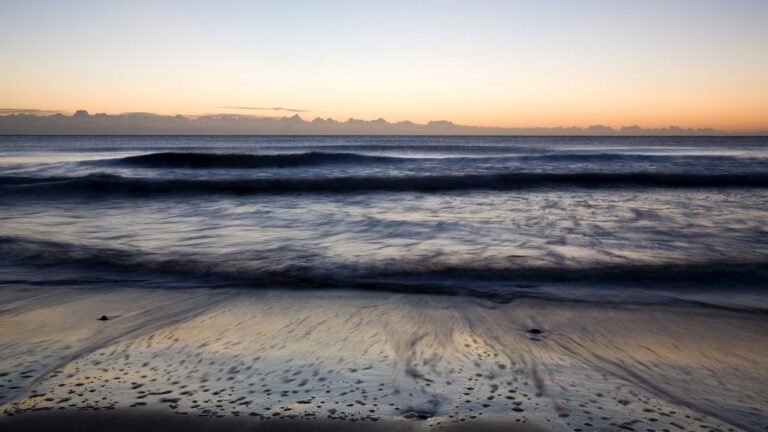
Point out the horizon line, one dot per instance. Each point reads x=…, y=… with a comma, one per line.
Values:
x=28, y=122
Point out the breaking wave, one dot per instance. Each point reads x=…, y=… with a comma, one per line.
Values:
x=274, y=269
x=192, y=160
x=108, y=184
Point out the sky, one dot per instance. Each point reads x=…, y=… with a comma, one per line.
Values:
x=546, y=63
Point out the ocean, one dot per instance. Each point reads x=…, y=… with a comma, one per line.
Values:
x=599, y=219
x=384, y=283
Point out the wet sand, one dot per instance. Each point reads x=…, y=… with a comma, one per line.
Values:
x=347, y=360
x=151, y=421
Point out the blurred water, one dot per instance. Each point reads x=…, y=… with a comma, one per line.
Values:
x=598, y=219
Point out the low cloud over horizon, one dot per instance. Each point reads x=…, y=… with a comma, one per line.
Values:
x=6, y=111
x=293, y=110
x=42, y=122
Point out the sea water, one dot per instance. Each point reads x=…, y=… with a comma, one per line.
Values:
x=599, y=219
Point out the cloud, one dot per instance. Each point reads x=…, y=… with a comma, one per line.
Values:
x=139, y=114
x=293, y=110
x=6, y=111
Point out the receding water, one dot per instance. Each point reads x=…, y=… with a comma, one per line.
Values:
x=597, y=219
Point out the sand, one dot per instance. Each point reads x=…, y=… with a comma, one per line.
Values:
x=151, y=420
x=340, y=360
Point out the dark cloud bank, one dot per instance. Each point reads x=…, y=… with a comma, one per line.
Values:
x=83, y=123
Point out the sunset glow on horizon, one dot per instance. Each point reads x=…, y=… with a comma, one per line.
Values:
x=485, y=63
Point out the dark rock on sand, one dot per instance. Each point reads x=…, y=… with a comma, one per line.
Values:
x=103, y=318
x=417, y=415
x=535, y=331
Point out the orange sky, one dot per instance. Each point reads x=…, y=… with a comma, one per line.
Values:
x=507, y=64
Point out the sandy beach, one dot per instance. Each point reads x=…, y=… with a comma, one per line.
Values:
x=343, y=359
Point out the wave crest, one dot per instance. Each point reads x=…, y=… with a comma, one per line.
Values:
x=245, y=161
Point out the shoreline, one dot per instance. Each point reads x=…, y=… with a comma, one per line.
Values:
x=352, y=358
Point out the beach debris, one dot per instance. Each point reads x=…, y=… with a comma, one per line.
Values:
x=535, y=334
x=103, y=318
x=418, y=415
